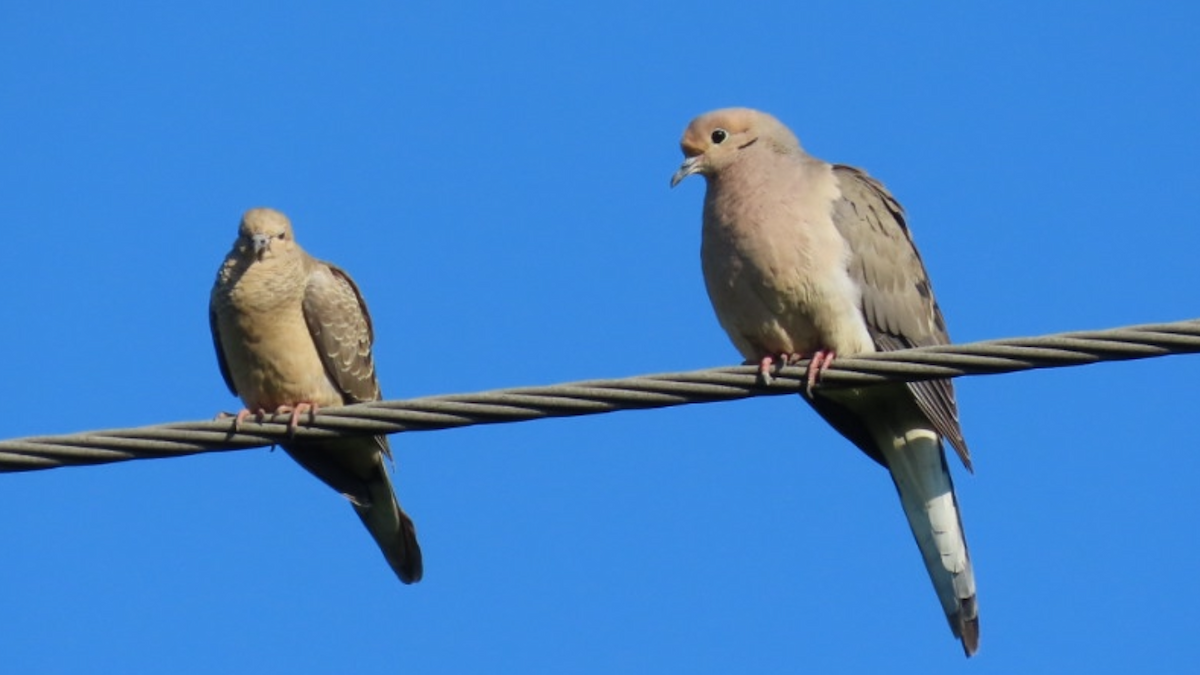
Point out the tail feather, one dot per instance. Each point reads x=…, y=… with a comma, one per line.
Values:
x=354, y=467
x=917, y=463
x=391, y=527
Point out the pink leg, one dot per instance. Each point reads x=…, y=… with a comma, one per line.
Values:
x=775, y=362
x=817, y=367
x=296, y=411
x=764, y=368
x=241, y=416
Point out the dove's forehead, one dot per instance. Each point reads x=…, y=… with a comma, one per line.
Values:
x=733, y=120
x=265, y=221
x=698, y=136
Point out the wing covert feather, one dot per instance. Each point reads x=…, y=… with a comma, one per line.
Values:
x=897, y=297
x=341, y=329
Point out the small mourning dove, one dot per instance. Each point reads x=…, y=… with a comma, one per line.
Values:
x=803, y=258
x=292, y=334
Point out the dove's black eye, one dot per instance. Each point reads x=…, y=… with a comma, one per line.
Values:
x=719, y=136
x=281, y=236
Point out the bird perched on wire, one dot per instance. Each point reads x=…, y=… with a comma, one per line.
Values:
x=292, y=335
x=806, y=259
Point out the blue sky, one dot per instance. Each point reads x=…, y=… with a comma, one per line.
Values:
x=495, y=178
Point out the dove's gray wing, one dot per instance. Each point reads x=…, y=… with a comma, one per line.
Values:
x=897, y=297
x=341, y=329
x=222, y=362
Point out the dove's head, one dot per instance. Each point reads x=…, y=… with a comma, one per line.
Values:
x=719, y=138
x=265, y=233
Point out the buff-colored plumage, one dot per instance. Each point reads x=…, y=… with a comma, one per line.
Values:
x=292, y=331
x=803, y=258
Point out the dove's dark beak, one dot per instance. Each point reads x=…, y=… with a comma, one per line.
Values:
x=690, y=166
x=262, y=244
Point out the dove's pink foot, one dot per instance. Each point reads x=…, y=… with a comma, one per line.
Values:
x=241, y=417
x=773, y=362
x=817, y=367
x=764, y=368
x=297, y=410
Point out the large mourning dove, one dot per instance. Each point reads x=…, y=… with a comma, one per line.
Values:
x=808, y=259
x=292, y=334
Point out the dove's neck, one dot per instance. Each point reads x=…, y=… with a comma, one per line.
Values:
x=750, y=197
x=268, y=285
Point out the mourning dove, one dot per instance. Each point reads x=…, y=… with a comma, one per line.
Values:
x=803, y=258
x=292, y=334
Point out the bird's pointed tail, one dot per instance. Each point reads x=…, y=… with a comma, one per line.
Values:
x=354, y=467
x=918, y=466
x=391, y=527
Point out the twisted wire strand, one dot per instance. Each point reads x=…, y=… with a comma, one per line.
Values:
x=600, y=396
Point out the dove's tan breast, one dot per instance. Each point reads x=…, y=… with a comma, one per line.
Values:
x=775, y=265
x=271, y=354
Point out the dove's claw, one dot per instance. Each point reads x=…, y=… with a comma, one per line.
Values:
x=817, y=367
x=296, y=411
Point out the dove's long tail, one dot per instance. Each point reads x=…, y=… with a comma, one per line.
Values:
x=392, y=528
x=918, y=466
x=354, y=467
